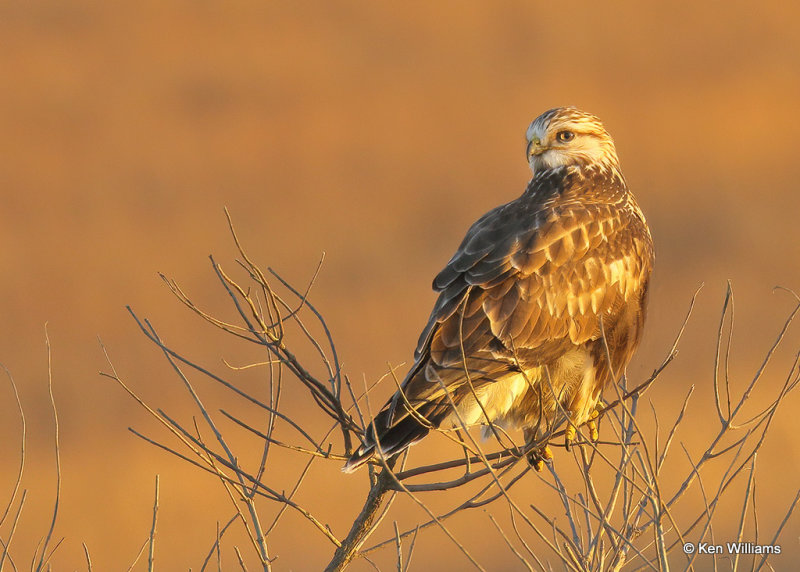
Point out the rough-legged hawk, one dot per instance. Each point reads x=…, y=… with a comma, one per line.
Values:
x=516, y=336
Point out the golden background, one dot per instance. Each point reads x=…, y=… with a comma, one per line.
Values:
x=375, y=132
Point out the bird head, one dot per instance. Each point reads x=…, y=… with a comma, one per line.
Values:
x=568, y=136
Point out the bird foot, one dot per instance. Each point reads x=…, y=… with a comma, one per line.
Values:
x=538, y=457
x=569, y=436
x=594, y=432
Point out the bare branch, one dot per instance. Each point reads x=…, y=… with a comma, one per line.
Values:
x=45, y=556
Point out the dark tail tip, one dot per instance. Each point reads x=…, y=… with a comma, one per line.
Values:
x=364, y=454
x=394, y=438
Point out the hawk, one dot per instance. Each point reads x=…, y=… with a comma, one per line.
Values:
x=541, y=306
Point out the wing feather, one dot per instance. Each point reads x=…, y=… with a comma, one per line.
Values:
x=558, y=275
x=531, y=280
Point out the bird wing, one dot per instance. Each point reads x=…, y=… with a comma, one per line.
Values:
x=530, y=281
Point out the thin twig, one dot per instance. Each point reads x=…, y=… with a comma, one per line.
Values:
x=152, y=547
x=45, y=556
x=22, y=452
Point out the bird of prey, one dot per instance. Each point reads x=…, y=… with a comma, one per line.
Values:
x=541, y=306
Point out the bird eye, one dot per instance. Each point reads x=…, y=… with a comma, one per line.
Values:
x=564, y=136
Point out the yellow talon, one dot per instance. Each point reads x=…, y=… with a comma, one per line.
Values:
x=538, y=458
x=569, y=436
x=594, y=433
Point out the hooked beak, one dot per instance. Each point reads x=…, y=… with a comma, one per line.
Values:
x=535, y=148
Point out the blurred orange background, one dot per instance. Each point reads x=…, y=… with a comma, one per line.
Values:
x=377, y=134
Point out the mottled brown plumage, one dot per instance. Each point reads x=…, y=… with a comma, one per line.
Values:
x=524, y=300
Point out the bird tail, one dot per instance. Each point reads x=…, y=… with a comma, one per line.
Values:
x=394, y=436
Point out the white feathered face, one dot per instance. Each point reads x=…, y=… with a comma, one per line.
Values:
x=567, y=136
